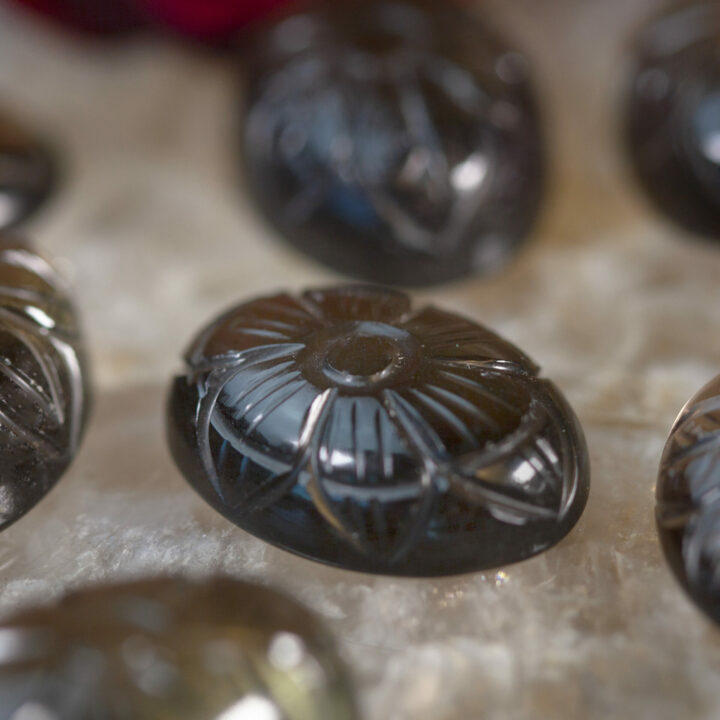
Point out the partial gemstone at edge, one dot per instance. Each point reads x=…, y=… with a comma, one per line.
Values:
x=171, y=649
x=28, y=173
x=688, y=499
x=673, y=115
x=348, y=427
x=44, y=383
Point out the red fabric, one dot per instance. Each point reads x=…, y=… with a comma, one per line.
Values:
x=203, y=19
x=208, y=19
x=105, y=17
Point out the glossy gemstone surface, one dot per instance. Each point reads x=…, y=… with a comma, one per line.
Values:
x=397, y=142
x=688, y=498
x=349, y=428
x=27, y=173
x=171, y=650
x=44, y=393
x=673, y=115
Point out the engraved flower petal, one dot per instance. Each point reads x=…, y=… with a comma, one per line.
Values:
x=359, y=302
x=266, y=321
x=453, y=339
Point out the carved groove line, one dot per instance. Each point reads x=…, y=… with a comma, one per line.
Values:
x=61, y=407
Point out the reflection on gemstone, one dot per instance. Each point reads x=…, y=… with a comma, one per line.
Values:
x=394, y=141
x=688, y=498
x=707, y=127
x=349, y=428
x=27, y=174
x=44, y=393
x=673, y=116
x=171, y=650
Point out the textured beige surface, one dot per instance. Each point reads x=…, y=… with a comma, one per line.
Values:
x=621, y=310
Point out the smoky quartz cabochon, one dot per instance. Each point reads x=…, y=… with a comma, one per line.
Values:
x=688, y=498
x=398, y=142
x=44, y=379
x=347, y=427
x=171, y=649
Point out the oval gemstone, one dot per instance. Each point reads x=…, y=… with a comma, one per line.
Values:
x=397, y=142
x=350, y=428
x=44, y=384
x=673, y=115
x=172, y=650
x=688, y=498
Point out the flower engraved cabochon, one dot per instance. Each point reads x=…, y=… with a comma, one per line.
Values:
x=44, y=385
x=688, y=498
x=169, y=649
x=673, y=115
x=398, y=142
x=349, y=428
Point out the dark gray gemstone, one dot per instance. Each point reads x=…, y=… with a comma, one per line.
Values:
x=688, y=498
x=44, y=393
x=347, y=427
x=673, y=115
x=27, y=173
x=171, y=650
x=395, y=141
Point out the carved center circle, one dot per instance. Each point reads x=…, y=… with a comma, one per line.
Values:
x=360, y=356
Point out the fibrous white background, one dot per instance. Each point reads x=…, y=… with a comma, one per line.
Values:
x=621, y=310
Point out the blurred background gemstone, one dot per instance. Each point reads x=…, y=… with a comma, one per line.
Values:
x=347, y=427
x=44, y=384
x=673, y=115
x=394, y=141
x=27, y=172
x=688, y=498
x=171, y=650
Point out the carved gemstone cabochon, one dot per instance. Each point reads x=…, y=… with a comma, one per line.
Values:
x=170, y=649
x=347, y=427
x=688, y=498
x=398, y=142
x=44, y=394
